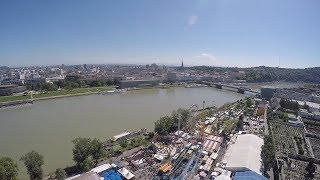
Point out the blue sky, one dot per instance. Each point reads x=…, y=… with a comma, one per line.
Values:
x=202, y=32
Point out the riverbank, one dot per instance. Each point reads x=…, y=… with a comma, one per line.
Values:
x=35, y=127
x=53, y=94
x=68, y=93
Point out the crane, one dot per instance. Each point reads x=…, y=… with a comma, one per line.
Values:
x=193, y=161
x=198, y=158
x=186, y=169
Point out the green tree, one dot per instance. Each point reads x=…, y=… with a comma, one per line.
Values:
x=164, y=125
x=169, y=124
x=81, y=149
x=33, y=162
x=97, y=150
x=229, y=125
x=240, y=123
x=49, y=87
x=85, y=148
x=123, y=143
x=184, y=115
x=87, y=164
x=60, y=174
x=96, y=83
x=81, y=84
x=110, y=82
x=150, y=135
x=69, y=85
x=268, y=152
x=8, y=169
x=288, y=104
x=248, y=102
x=311, y=169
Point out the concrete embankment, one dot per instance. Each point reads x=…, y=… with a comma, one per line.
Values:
x=22, y=102
x=29, y=101
x=63, y=96
x=15, y=103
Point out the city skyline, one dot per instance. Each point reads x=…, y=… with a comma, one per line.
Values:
x=214, y=33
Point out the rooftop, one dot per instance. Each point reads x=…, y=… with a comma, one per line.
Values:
x=101, y=168
x=7, y=86
x=310, y=104
x=248, y=175
x=125, y=173
x=87, y=176
x=245, y=153
x=269, y=87
x=121, y=135
x=139, y=80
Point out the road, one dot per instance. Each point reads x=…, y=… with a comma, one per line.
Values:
x=266, y=127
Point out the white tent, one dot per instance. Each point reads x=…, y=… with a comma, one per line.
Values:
x=125, y=173
x=101, y=168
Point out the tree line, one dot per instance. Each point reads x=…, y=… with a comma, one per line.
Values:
x=268, y=153
x=169, y=124
x=33, y=162
x=69, y=84
x=268, y=74
x=86, y=154
x=289, y=104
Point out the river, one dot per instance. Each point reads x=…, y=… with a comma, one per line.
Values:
x=49, y=126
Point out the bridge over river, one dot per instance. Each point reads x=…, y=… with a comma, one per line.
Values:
x=239, y=89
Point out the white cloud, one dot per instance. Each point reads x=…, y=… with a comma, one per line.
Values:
x=201, y=59
x=206, y=56
x=192, y=20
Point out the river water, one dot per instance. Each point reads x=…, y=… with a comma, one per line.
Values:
x=49, y=126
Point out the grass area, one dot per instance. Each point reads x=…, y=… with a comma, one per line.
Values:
x=13, y=98
x=132, y=143
x=205, y=113
x=229, y=125
x=55, y=93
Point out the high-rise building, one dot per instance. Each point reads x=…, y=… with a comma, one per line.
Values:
x=182, y=63
x=267, y=92
x=172, y=77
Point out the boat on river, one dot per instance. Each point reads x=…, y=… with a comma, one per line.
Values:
x=115, y=91
x=195, y=85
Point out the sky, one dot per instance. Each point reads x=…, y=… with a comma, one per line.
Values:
x=230, y=33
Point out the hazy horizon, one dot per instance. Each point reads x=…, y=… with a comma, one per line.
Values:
x=224, y=33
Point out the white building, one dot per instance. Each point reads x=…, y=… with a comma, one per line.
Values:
x=55, y=79
x=171, y=76
x=244, y=154
x=101, y=168
x=125, y=173
x=304, y=113
x=315, y=98
x=316, y=115
x=295, y=119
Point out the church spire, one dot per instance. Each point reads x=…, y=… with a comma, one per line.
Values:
x=182, y=63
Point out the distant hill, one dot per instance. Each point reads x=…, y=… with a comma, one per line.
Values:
x=4, y=67
x=270, y=74
x=267, y=74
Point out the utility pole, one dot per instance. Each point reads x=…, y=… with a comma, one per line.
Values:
x=179, y=127
x=178, y=131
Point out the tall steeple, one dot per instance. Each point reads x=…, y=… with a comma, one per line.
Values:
x=182, y=63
